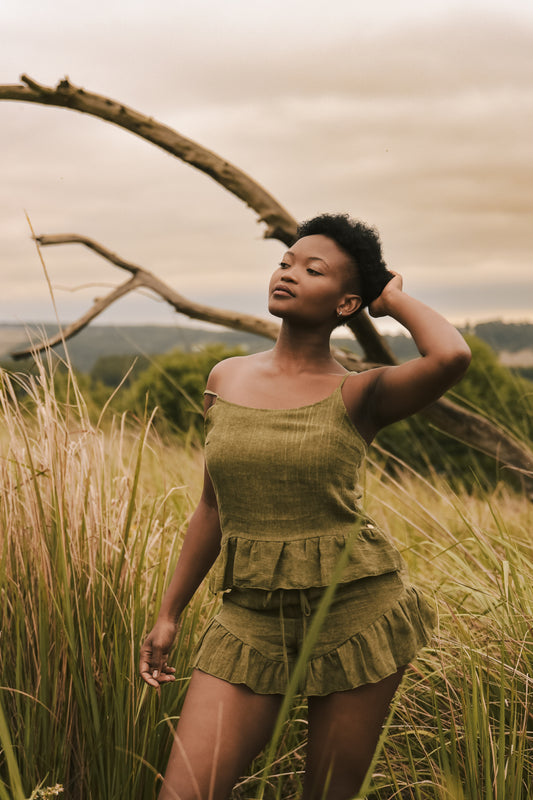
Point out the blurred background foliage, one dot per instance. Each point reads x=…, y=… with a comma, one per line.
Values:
x=172, y=384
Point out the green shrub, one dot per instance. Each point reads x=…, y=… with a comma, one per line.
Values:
x=488, y=388
x=175, y=383
x=115, y=369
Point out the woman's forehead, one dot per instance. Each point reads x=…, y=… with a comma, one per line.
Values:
x=318, y=246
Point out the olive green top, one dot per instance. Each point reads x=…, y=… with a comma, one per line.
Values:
x=286, y=482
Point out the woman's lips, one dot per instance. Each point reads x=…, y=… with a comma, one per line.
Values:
x=280, y=289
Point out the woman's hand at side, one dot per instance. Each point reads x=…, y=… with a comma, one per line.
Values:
x=155, y=650
x=199, y=550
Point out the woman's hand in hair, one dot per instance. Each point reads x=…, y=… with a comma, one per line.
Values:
x=380, y=307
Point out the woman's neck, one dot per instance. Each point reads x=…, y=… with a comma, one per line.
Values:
x=302, y=350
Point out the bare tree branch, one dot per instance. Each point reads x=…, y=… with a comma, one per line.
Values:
x=279, y=223
x=484, y=435
x=464, y=425
x=458, y=422
x=99, y=305
x=375, y=348
x=143, y=278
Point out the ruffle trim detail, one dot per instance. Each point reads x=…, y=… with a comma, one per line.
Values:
x=297, y=564
x=390, y=642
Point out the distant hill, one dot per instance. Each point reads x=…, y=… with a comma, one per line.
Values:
x=106, y=340
x=513, y=341
x=507, y=336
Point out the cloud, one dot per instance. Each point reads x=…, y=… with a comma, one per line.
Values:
x=423, y=130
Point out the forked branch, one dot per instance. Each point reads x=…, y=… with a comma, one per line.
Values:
x=143, y=278
x=458, y=422
x=464, y=425
x=279, y=223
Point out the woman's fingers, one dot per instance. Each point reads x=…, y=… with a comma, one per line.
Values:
x=154, y=668
x=378, y=307
x=155, y=677
x=153, y=664
x=148, y=672
x=166, y=675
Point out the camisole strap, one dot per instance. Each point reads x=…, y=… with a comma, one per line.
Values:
x=208, y=391
x=341, y=384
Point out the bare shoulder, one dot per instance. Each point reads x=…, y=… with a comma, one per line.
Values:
x=227, y=370
x=357, y=393
x=359, y=385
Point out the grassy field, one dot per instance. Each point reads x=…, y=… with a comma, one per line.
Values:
x=92, y=514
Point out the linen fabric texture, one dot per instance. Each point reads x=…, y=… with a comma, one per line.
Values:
x=287, y=486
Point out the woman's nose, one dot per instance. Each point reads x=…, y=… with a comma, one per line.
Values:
x=288, y=276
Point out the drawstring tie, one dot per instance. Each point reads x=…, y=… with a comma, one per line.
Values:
x=283, y=639
x=304, y=604
x=305, y=608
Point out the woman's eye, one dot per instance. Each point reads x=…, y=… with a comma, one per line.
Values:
x=313, y=271
x=284, y=265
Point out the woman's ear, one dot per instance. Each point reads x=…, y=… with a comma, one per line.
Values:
x=348, y=305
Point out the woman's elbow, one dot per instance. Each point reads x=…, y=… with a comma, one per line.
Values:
x=458, y=361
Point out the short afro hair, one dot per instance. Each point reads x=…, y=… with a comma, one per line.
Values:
x=361, y=243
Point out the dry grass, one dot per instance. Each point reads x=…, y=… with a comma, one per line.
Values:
x=91, y=521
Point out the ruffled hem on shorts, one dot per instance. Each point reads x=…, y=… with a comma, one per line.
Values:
x=390, y=642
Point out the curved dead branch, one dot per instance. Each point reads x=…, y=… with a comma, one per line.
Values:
x=279, y=223
x=458, y=422
x=464, y=425
x=143, y=278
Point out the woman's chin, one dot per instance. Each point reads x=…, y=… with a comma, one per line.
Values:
x=276, y=311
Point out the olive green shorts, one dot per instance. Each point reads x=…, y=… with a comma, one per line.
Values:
x=372, y=627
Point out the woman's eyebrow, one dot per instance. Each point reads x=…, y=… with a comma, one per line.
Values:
x=317, y=258
x=308, y=259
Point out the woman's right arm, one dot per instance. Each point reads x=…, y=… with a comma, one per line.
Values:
x=201, y=546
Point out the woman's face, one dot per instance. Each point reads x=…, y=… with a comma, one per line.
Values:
x=310, y=284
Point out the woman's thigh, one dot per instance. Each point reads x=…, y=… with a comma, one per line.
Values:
x=222, y=727
x=344, y=729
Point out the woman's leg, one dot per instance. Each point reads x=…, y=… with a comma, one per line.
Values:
x=344, y=729
x=222, y=727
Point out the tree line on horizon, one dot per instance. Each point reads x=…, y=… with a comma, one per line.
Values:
x=172, y=384
x=100, y=346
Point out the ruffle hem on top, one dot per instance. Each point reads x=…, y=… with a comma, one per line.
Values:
x=300, y=563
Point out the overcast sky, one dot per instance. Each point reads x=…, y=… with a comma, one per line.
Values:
x=414, y=116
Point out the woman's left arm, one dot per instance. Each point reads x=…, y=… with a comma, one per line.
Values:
x=400, y=391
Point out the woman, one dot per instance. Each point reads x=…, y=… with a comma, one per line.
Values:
x=286, y=431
